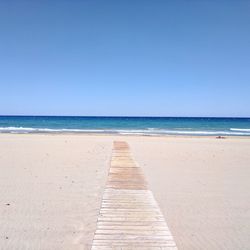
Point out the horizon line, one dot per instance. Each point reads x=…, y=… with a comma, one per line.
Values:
x=126, y=116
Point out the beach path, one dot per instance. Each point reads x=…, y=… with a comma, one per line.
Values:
x=129, y=216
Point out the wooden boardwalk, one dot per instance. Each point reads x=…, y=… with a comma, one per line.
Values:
x=129, y=218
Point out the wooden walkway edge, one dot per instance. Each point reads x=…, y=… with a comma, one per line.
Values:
x=129, y=217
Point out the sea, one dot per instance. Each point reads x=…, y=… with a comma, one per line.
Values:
x=195, y=126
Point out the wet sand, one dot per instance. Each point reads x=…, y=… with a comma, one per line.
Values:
x=51, y=188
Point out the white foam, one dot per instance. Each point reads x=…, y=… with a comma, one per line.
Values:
x=15, y=129
x=206, y=133
x=233, y=131
x=240, y=129
x=179, y=132
x=25, y=130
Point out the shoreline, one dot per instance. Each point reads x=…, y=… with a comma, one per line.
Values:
x=131, y=135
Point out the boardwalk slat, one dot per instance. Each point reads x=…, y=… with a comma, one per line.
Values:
x=129, y=218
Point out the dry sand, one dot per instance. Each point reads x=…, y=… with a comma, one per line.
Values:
x=53, y=185
x=51, y=188
x=203, y=188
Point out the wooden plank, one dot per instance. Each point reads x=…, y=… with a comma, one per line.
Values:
x=153, y=243
x=129, y=223
x=133, y=231
x=129, y=217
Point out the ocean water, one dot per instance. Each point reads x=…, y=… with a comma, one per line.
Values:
x=126, y=125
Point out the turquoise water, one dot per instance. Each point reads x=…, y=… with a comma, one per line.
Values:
x=126, y=125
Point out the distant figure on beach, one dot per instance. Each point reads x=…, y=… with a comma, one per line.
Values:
x=220, y=137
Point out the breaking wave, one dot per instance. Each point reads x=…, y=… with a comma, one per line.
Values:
x=149, y=131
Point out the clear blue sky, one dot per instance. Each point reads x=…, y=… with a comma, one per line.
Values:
x=153, y=58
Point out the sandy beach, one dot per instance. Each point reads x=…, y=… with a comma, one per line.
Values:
x=51, y=188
